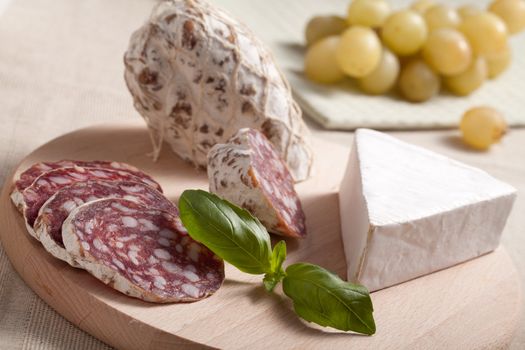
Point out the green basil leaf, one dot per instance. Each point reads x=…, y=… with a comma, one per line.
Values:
x=278, y=256
x=229, y=231
x=322, y=297
x=277, y=273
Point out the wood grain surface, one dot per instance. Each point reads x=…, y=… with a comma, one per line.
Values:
x=470, y=306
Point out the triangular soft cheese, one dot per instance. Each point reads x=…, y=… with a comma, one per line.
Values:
x=407, y=211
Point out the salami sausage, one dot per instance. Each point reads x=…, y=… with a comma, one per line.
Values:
x=249, y=172
x=28, y=176
x=141, y=252
x=197, y=76
x=44, y=186
x=48, y=225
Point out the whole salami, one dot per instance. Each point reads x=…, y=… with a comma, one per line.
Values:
x=48, y=225
x=34, y=196
x=29, y=175
x=248, y=172
x=197, y=76
x=141, y=252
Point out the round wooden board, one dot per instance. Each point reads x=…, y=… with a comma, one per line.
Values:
x=470, y=306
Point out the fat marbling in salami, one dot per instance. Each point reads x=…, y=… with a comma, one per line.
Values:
x=141, y=252
x=248, y=172
x=27, y=177
x=48, y=225
x=44, y=186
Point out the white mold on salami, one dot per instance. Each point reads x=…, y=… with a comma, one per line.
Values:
x=18, y=200
x=48, y=225
x=171, y=276
x=197, y=76
x=248, y=172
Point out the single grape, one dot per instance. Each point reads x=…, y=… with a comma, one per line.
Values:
x=447, y=51
x=383, y=78
x=359, y=51
x=482, y=126
x=368, y=13
x=470, y=80
x=512, y=12
x=404, y=32
x=441, y=16
x=486, y=33
x=467, y=11
x=498, y=63
x=418, y=82
x=320, y=64
x=421, y=6
x=322, y=26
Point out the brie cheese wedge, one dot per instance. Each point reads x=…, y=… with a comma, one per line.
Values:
x=407, y=211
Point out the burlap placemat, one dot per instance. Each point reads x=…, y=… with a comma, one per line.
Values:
x=60, y=69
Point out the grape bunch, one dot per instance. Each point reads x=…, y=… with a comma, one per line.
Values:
x=416, y=49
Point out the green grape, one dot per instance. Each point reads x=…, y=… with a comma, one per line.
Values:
x=482, y=126
x=470, y=80
x=418, y=82
x=383, y=78
x=441, y=16
x=320, y=64
x=404, y=32
x=421, y=6
x=368, y=13
x=512, y=12
x=447, y=51
x=467, y=11
x=497, y=63
x=486, y=33
x=359, y=51
x=320, y=27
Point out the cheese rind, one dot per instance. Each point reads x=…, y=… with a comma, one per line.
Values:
x=407, y=212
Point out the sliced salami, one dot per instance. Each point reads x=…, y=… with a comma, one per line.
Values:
x=47, y=184
x=28, y=176
x=141, y=252
x=48, y=225
x=248, y=172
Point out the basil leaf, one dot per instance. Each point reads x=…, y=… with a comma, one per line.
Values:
x=322, y=297
x=229, y=231
x=277, y=273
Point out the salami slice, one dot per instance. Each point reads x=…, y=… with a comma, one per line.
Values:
x=141, y=252
x=48, y=225
x=34, y=196
x=248, y=172
x=28, y=176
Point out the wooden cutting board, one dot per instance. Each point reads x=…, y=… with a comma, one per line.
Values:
x=470, y=306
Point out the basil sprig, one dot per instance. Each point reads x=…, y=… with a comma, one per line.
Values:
x=239, y=238
x=276, y=273
x=322, y=297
